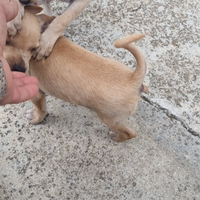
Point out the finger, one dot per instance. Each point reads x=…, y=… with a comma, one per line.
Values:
x=9, y=8
x=24, y=80
x=17, y=75
x=24, y=93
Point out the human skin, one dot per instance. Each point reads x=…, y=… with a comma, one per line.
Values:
x=20, y=87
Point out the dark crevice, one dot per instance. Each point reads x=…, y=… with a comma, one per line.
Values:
x=172, y=116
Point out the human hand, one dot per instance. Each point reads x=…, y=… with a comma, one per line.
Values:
x=20, y=87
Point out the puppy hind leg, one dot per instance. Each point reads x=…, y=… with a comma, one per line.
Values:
x=119, y=131
x=39, y=112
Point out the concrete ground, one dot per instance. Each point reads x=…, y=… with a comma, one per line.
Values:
x=70, y=155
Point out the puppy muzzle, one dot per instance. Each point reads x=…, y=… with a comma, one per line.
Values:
x=32, y=2
x=18, y=68
x=25, y=1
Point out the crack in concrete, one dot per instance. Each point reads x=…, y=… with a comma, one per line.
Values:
x=172, y=116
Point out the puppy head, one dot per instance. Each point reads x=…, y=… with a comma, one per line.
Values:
x=27, y=40
x=14, y=59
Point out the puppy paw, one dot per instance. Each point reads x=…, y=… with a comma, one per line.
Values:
x=114, y=136
x=46, y=45
x=11, y=28
x=35, y=117
x=122, y=136
x=42, y=52
x=15, y=25
x=29, y=113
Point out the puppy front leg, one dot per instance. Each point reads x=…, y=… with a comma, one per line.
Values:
x=57, y=27
x=15, y=25
x=39, y=112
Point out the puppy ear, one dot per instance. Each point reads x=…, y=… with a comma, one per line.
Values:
x=33, y=9
x=44, y=21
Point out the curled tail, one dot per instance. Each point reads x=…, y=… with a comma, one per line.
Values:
x=126, y=43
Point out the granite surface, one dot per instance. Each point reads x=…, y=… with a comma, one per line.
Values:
x=71, y=156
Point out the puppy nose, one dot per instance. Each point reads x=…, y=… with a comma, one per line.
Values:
x=18, y=68
x=25, y=1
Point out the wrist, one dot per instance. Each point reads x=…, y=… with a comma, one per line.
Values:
x=3, y=81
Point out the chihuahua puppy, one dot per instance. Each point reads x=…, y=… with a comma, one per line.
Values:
x=57, y=27
x=78, y=76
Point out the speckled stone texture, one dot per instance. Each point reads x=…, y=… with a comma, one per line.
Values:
x=70, y=155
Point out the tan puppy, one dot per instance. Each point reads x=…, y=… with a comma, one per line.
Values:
x=81, y=77
x=57, y=27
